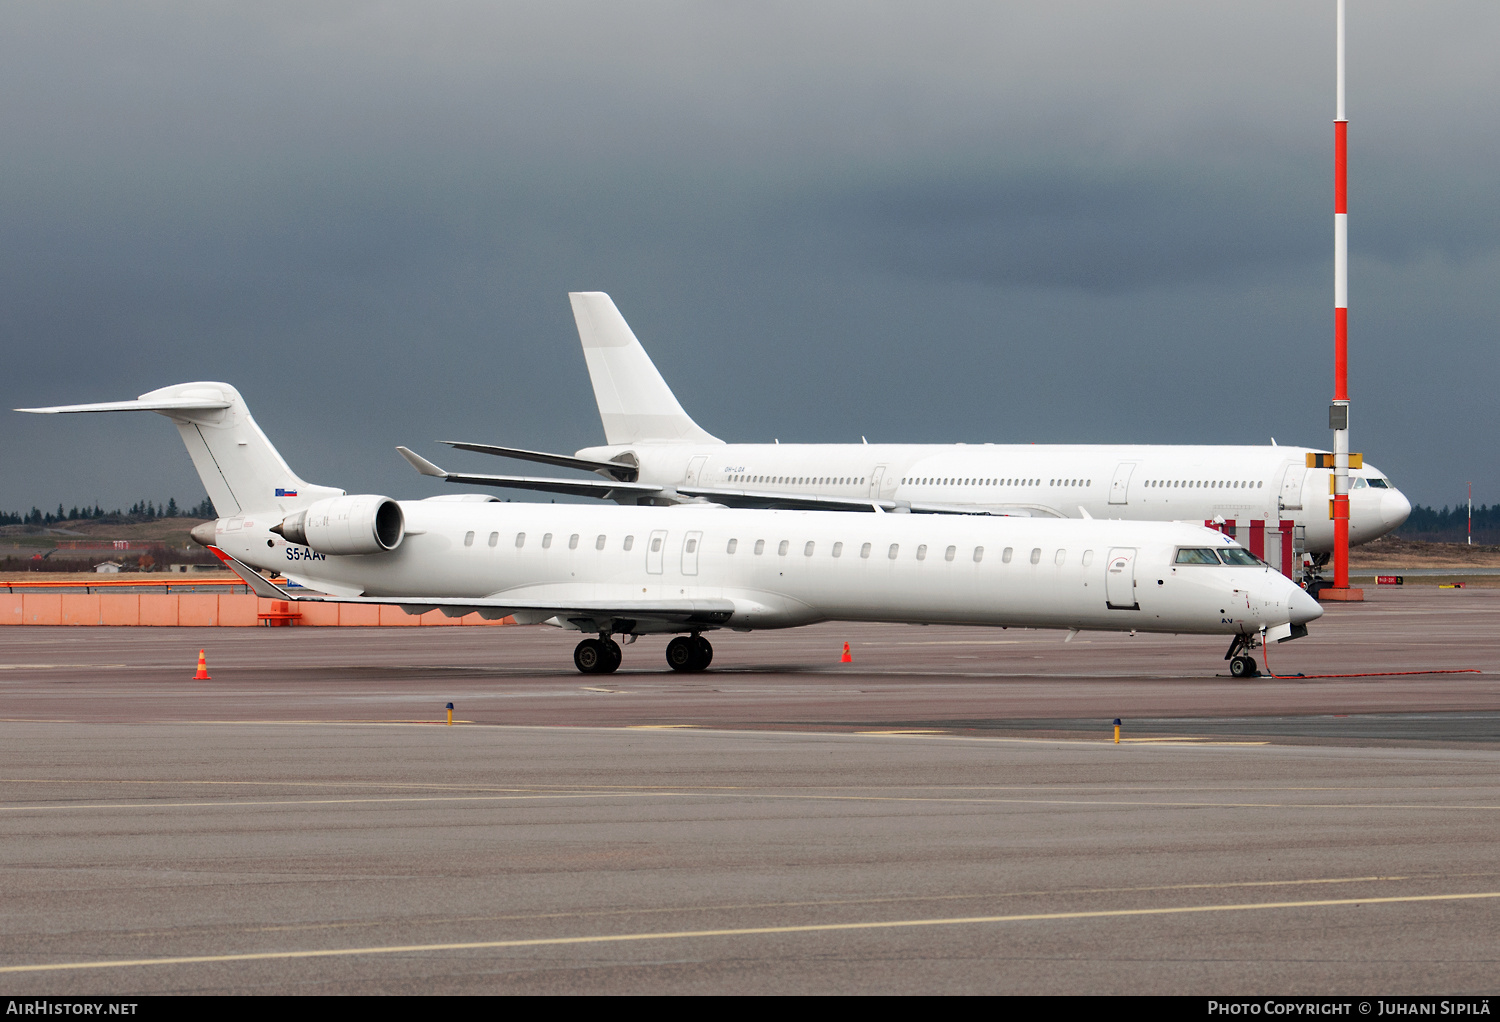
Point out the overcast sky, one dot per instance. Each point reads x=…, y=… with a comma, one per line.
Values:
x=1062, y=222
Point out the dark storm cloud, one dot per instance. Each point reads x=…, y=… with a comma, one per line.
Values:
x=957, y=221
x=1089, y=228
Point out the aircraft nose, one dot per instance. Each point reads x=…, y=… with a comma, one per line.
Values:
x=1303, y=608
x=1394, y=508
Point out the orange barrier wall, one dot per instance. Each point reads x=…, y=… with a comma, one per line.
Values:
x=221, y=610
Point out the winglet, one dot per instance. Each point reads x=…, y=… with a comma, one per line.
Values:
x=257, y=582
x=421, y=464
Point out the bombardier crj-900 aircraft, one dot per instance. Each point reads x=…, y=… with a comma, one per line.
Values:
x=606, y=570
x=657, y=454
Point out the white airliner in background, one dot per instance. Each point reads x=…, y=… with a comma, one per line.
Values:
x=606, y=570
x=657, y=454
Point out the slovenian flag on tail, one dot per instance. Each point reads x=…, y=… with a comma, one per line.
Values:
x=285, y=493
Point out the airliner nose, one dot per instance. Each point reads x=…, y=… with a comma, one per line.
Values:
x=1303, y=608
x=1394, y=508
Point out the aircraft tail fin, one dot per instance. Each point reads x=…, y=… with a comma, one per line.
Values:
x=240, y=469
x=635, y=403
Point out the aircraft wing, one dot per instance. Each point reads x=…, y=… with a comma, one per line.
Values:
x=588, y=612
x=620, y=471
x=773, y=499
x=1006, y=510
x=821, y=502
x=601, y=488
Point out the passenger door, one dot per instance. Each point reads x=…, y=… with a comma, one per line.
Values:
x=655, y=547
x=1119, y=580
x=1291, y=486
x=695, y=470
x=1119, y=487
x=876, y=475
x=690, y=544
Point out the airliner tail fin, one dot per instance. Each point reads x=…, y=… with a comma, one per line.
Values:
x=635, y=403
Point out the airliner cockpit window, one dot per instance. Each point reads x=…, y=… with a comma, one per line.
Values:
x=1358, y=483
x=1196, y=555
x=1235, y=555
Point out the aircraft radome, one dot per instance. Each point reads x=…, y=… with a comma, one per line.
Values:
x=608, y=570
x=656, y=453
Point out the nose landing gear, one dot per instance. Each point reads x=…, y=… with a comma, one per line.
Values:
x=1241, y=665
x=689, y=653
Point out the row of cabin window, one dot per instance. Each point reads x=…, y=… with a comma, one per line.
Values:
x=1213, y=484
x=966, y=481
x=785, y=545
x=547, y=541
x=801, y=480
x=894, y=551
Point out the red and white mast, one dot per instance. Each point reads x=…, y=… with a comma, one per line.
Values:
x=1338, y=413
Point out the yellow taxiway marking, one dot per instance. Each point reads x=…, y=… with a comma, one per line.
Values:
x=904, y=731
x=661, y=727
x=748, y=931
x=821, y=903
x=1188, y=740
x=59, y=667
x=606, y=691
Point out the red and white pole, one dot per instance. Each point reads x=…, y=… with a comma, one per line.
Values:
x=1338, y=413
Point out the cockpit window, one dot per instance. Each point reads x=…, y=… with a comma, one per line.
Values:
x=1380, y=484
x=1358, y=483
x=1196, y=555
x=1236, y=555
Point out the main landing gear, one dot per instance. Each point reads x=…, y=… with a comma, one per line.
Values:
x=1241, y=665
x=689, y=653
x=598, y=656
x=602, y=655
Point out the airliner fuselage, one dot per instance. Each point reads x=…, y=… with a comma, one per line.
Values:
x=1131, y=483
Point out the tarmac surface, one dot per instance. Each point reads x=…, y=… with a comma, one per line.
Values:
x=946, y=814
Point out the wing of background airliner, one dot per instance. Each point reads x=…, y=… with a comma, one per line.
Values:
x=602, y=488
x=588, y=613
x=606, y=489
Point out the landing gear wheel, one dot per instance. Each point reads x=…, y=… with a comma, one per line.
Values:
x=1243, y=667
x=689, y=653
x=683, y=654
x=590, y=657
x=615, y=656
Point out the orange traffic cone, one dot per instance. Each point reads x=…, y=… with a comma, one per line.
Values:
x=846, y=658
x=202, y=674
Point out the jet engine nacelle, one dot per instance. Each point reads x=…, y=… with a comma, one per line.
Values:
x=362, y=524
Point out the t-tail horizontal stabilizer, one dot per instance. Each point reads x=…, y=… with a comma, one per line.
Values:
x=240, y=469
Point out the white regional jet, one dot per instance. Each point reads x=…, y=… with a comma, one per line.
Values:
x=657, y=454
x=606, y=570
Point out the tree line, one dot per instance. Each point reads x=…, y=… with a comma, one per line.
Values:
x=141, y=511
x=1451, y=525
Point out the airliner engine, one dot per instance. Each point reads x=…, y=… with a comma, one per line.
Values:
x=361, y=524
